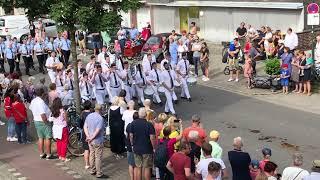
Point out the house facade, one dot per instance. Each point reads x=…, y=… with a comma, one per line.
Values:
x=217, y=20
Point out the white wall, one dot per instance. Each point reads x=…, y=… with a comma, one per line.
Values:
x=164, y=19
x=126, y=21
x=143, y=16
x=219, y=24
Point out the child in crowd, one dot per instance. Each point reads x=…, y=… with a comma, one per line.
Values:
x=248, y=70
x=21, y=119
x=266, y=152
x=284, y=75
x=254, y=169
x=214, y=171
x=8, y=100
x=216, y=148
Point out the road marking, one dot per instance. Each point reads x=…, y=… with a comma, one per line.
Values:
x=16, y=174
x=65, y=168
x=12, y=170
x=71, y=172
x=77, y=177
x=59, y=164
x=22, y=178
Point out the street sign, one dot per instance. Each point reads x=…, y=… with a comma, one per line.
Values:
x=313, y=8
x=313, y=19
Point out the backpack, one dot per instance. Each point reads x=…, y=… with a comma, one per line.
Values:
x=161, y=154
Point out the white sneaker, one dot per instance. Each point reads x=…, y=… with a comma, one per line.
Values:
x=230, y=80
x=207, y=79
x=9, y=139
x=13, y=139
x=203, y=78
x=2, y=123
x=237, y=80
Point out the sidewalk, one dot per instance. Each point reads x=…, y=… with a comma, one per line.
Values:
x=219, y=80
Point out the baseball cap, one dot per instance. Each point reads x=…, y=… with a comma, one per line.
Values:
x=255, y=164
x=214, y=134
x=266, y=151
x=284, y=65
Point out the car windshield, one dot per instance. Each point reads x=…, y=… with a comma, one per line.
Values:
x=153, y=40
x=2, y=22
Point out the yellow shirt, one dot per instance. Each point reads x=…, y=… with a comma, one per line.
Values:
x=173, y=134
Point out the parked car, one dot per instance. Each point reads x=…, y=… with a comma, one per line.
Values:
x=10, y=24
x=49, y=26
x=155, y=43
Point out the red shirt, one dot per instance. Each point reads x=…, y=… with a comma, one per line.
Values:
x=8, y=107
x=170, y=146
x=201, y=132
x=179, y=162
x=21, y=108
x=263, y=163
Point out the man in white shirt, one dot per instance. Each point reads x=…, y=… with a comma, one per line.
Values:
x=59, y=81
x=41, y=114
x=291, y=40
x=140, y=83
x=127, y=81
x=147, y=64
x=51, y=63
x=69, y=80
x=99, y=80
x=145, y=57
x=105, y=63
x=167, y=81
x=113, y=76
x=182, y=70
x=154, y=82
x=85, y=87
x=202, y=166
x=295, y=172
x=91, y=63
x=101, y=55
x=165, y=60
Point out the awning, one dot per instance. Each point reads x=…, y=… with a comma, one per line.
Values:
x=232, y=4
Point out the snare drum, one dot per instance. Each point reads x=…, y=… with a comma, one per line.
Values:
x=191, y=81
x=176, y=83
x=148, y=91
x=161, y=89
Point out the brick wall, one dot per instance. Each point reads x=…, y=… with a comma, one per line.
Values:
x=305, y=39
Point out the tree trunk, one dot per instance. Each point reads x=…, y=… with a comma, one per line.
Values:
x=74, y=59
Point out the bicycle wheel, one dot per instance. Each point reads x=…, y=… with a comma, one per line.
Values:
x=75, y=143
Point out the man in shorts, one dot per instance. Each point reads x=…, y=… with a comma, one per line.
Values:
x=233, y=52
x=41, y=113
x=82, y=43
x=142, y=138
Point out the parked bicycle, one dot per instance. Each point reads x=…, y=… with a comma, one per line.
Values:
x=225, y=59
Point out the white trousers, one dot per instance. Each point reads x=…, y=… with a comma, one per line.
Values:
x=129, y=91
x=156, y=97
x=113, y=93
x=140, y=94
x=169, y=104
x=52, y=76
x=184, y=89
x=100, y=96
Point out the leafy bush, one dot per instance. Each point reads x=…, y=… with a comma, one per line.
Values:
x=272, y=66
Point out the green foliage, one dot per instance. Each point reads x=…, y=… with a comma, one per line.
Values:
x=272, y=66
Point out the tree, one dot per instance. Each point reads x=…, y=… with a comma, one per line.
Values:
x=94, y=15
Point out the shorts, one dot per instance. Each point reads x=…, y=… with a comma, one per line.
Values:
x=95, y=45
x=82, y=44
x=130, y=156
x=284, y=82
x=144, y=160
x=234, y=63
x=44, y=131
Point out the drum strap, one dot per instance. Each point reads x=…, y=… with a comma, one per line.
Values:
x=185, y=65
x=87, y=88
x=157, y=75
x=171, y=80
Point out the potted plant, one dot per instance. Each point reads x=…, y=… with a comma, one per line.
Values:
x=272, y=68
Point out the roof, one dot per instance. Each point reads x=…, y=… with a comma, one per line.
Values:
x=233, y=4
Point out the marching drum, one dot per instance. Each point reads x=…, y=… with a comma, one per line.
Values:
x=176, y=83
x=191, y=81
x=148, y=91
x=161, y=89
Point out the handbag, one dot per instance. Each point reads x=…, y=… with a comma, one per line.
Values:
x=108, y=125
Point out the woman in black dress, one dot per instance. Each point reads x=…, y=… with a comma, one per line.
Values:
x=117, y=138
x=305, y=75
x=87, y=110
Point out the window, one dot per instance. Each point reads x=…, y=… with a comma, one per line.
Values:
x=2, y=22
x=153, y=40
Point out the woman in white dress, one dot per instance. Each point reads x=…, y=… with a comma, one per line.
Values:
x=127, y=115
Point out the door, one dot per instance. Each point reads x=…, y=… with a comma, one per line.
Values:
x=184, y=19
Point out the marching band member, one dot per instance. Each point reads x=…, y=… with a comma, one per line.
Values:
x=30, y=43
x=38, y=49
x=154, y=82
x=147, y=64
x=10, y=57
x=105, y=63
x=65, y=49
x=15, y=48
x=182, y=70
x=114, y=82
x=2, y=50
x=85, y=87
x=99, y=81
x=140, y=83
x=102, y=54
x=91, y=63
x=145, y=57
x=26, y=52
x=49, y=47
x=167, y=79
x=59, y=81
x=51, y=63
x=69, y=80
x=165, y=60
x=127, y=81
x=119, y=63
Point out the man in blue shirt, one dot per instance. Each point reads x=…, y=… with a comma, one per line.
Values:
x=93, y=128
x=26, y=53
x=10, y=56
x=15, y=47
x=38, y=50
x=65, y=49
x=133, y=32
